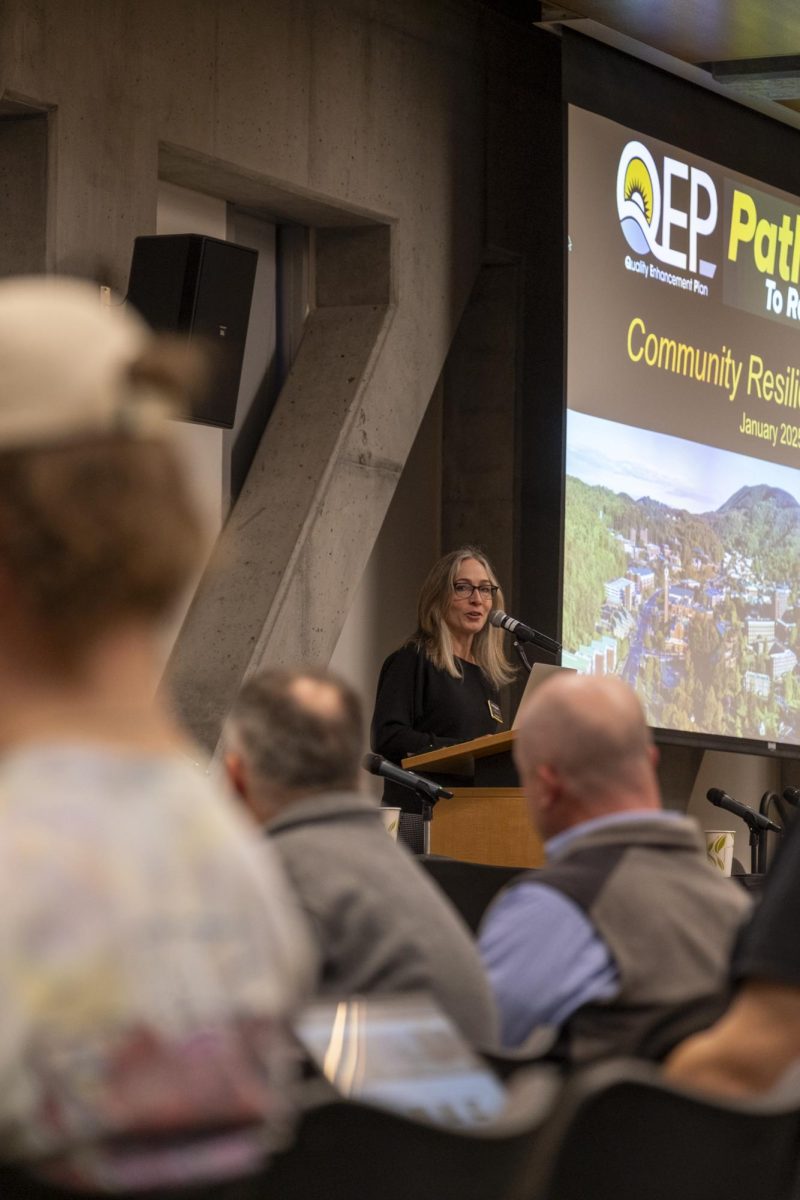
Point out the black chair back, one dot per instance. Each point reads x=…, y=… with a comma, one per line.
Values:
x=469, y=886
x=347, y=1150
x=621, y=1132
x=541, y=1045
x=16, y=1184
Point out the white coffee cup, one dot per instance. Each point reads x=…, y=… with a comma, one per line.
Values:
x=719, y=848
x=391, y=821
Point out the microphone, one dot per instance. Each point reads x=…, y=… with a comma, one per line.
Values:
x=792, y=796
x=523, y=633
x=754, y=820
x=376, y=764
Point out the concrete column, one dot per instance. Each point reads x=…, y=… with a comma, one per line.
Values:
x=480, y=398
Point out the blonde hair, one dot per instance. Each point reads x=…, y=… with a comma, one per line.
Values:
x=433, y=635
x=94, y=534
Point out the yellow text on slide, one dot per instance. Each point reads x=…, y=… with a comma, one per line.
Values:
x=718, y=368
x=773, y=245
x=782, y=387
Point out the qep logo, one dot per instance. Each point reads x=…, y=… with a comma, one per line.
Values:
x=649, y=213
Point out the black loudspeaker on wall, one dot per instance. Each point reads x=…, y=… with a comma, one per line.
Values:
x=202, y=287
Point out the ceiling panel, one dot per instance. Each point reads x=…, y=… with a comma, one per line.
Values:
x=698, y=31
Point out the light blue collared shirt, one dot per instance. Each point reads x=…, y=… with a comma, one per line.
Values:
x=541, y=952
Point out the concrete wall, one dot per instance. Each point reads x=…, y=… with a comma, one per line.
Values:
x=346, y=115
x=480, y=405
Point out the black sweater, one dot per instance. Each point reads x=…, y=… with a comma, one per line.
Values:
x=419, y=707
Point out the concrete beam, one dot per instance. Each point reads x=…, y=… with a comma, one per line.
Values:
x=269, y=592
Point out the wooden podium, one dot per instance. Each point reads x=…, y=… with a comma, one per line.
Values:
x=487, y=819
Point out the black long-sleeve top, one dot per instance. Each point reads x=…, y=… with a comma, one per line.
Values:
x=420, y=707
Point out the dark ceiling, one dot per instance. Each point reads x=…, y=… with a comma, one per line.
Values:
x=698, y=31
x=751, y=48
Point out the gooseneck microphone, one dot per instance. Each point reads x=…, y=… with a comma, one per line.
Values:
x=749, y=815
x=376, y=764
x=523, y=633
x=792, y=796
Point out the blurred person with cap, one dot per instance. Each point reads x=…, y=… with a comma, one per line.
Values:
x=150, y=949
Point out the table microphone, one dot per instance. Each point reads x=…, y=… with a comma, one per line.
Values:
x=754, y=820
x=376, y=764
x=523, y=633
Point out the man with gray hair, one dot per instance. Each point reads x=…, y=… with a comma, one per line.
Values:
x=623, y=939
x=294, y=742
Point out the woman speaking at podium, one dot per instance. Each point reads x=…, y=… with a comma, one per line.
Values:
x=442, y=686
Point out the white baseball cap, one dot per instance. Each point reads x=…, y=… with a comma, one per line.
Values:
x=65, y=364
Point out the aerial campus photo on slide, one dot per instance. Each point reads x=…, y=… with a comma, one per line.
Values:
x=682, y=574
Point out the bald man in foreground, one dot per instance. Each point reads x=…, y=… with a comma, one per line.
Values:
x=623, y=940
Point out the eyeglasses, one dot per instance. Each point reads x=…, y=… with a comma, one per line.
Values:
x=486, y=591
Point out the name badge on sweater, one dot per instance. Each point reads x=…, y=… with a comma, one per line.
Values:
x=494, y=711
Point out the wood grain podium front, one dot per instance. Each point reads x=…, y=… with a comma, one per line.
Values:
x=487, y=819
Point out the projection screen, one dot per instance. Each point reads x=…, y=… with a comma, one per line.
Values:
x=682, y=504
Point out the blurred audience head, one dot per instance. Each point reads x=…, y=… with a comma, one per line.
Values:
x=96, y=525
x=291, y=734
x=584, y=750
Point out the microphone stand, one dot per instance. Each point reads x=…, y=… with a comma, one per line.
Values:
x=522, y=656
x=756, y=849
x=758, y=823
x=427, y=817
x=761, y=856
